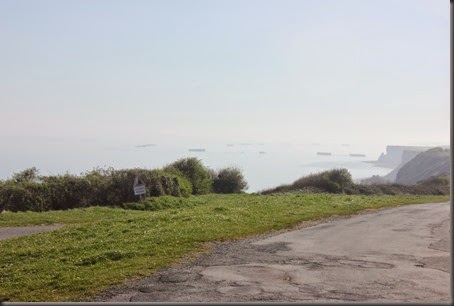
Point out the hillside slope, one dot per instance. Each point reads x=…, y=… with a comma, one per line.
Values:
x=433, y=162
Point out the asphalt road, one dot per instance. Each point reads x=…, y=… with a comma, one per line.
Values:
x=393, y=255
x=12, y=232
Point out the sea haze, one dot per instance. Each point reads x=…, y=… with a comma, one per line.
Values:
x=264, y=165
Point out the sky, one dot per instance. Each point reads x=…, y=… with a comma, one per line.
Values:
x=135, y=72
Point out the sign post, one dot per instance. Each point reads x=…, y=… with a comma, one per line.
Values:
x=139, y=187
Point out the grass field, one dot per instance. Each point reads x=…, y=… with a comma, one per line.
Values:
x=100, y=246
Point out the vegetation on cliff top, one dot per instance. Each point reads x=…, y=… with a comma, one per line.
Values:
x=340, y=181
x=27, y=190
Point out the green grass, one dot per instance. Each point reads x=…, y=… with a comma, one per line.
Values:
x=100, y=247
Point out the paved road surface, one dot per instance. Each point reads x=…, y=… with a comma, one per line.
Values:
x=392, y=255
x=12, y=232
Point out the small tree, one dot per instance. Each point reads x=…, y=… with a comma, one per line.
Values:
x=341, y=177
x=30, y=175
x=195, y=171
x=229, y=180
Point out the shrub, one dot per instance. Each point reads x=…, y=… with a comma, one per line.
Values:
x=98, y=181
x=332, y=181
x=67, y=191
x=27, y=191
x=23, y=197
x=29, y=175
x=193, y=169
x=164, y=183
x=185, y=186
x=119, y=187
x=2, y=197
x=431, y=186
x=229, y=180
x=279, y=189
x=442, y=180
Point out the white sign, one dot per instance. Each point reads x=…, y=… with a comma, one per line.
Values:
x=139, y=189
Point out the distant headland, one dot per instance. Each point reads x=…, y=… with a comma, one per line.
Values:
x=412, y=164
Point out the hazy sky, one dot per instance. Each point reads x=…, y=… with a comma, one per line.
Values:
x=344, y=71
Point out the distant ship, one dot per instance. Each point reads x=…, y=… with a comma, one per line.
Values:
x=262, y=152
x=146, y=145
x=324, y=153
x=357, y=155
x=197, y=150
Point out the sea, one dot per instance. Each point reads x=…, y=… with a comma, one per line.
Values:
x=264, y=165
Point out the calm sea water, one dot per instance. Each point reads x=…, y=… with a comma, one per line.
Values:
x=263, y=165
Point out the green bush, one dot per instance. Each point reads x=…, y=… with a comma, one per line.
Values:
x=229, y=180
x=118, y=188
x=185, y=186
x=429, y=187
x=332, y=181
x=193, y=169
x=2, y=197
x=27, y=196
x=67, y=191
x=164, y=183
x=441, y=180
x=108, y=187
x=30, y=175
x=279, y=189
x=99, y=181
x=340, y=181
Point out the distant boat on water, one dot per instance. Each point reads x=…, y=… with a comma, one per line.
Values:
x=197, y=150
x=357, y=155
x=324, y=153
x=146, y=145
x=262, y=152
